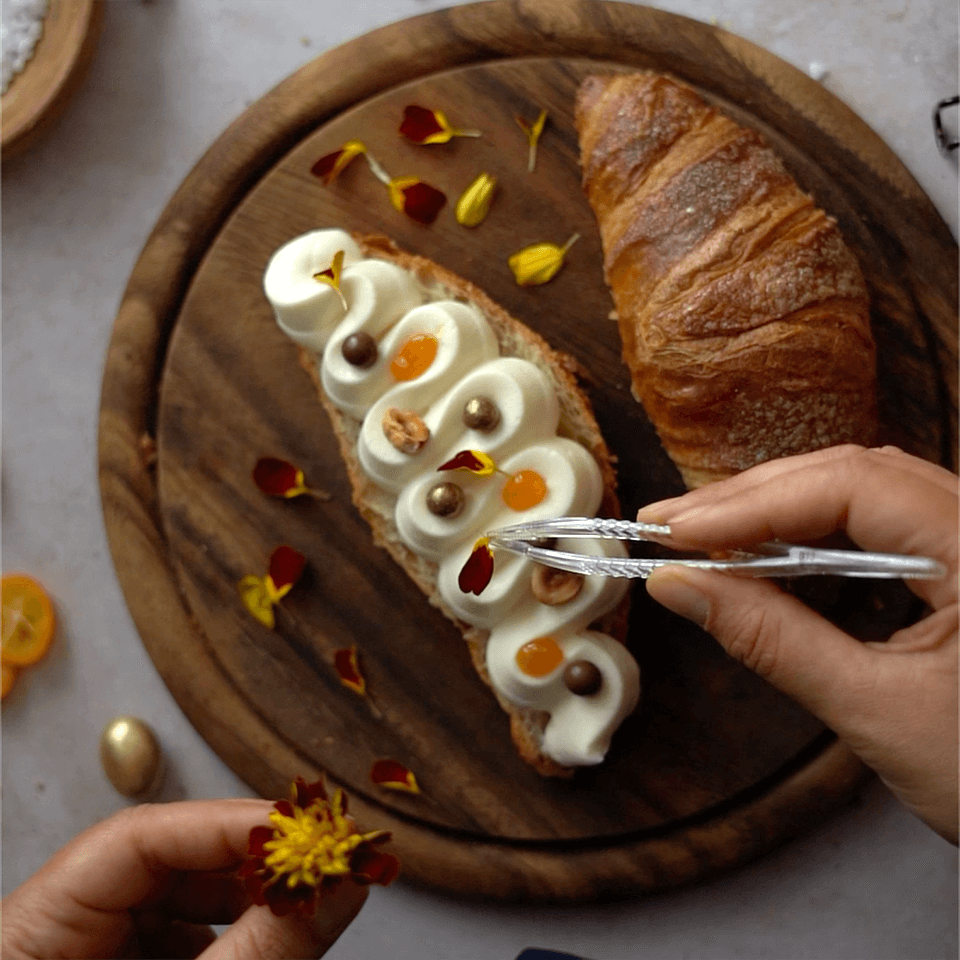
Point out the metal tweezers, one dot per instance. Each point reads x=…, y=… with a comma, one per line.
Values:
x=773, y=559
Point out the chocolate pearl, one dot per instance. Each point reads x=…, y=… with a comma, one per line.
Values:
x=481, y=413
x=445, y=499
x=582, y=678
x=360, y=350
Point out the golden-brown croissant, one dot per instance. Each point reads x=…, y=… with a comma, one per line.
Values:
x=743, y=314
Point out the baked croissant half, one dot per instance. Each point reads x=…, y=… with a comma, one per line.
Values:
x=743, y=314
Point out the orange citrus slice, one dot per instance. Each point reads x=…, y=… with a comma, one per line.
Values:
x=28, y=620
x=9, y=676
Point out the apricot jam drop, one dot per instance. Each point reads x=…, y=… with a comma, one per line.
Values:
x=538, y=657
x=524, y=489
x=413, y=359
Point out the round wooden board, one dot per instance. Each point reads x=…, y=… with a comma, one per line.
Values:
x=37, y=95
x=714, y=767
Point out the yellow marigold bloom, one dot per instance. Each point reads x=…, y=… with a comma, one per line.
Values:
x=540, y=262
x=474, y=204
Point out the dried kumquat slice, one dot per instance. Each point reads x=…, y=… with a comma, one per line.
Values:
x=9, y=676
x=28, y=620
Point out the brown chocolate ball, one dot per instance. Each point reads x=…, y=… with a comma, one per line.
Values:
x=481, y=413
x=582, y=678
x=445, y=499
x=360, y=350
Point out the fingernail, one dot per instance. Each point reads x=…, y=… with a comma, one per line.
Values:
x=670, y=587
x=657, y=512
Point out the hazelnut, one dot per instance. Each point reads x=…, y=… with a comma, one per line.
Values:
x=554, y=587
x=359, y=350
x=445, y=499
x=582, y=678
x=481, y=413
x=405, y=430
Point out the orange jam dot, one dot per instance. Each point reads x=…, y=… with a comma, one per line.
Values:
x=524, y=490
x=539, y=657
x=414, y=358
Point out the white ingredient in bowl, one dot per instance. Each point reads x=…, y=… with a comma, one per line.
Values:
x=21, y=23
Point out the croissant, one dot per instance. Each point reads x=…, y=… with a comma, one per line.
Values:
x=744, y=316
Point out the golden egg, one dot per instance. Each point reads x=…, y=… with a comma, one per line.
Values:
x=131, y=757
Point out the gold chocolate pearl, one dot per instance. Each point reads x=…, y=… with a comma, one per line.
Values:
x=445, y=499
x=481, y=413
x=582, y=678
x=131, y=757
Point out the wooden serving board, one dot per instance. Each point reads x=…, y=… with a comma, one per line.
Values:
x=715, y=766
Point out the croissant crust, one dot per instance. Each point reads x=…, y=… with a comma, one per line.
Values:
x=743, y=314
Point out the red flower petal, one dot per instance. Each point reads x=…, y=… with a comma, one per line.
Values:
x=348, y=669
x=419, y=124
x=478, y=569
x=258, y=837
x=394, y=775
x=286, y=566
x=418, y=200
x=369, y=865
x=464, y=460
x=275, y=477
x=330, y=166
x=305, y=793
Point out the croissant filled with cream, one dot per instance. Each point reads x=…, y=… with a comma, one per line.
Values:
x=743, y=314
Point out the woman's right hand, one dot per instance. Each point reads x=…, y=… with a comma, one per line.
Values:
x=893, y=703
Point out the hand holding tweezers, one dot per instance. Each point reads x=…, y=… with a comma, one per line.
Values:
x=773, y=559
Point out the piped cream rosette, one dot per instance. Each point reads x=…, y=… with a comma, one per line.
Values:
x=382, y=301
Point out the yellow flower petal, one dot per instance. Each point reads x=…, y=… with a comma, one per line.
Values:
x=474, y=204
x=540, y=262
x=257, y=599
x=533, y=136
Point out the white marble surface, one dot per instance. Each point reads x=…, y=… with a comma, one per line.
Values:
x=169, y=76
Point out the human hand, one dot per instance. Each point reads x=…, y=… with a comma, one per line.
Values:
x=893, y=703
x=146, y=881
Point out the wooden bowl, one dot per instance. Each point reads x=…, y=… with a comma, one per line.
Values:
x=60, y=60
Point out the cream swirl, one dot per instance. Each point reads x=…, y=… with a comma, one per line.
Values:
x=388, y=304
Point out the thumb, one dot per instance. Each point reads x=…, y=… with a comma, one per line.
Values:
x=773, y=634
x=259, y=935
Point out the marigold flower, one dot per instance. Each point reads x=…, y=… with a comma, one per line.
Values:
x=474, y=204
x=478, y=570
x=540, y=262
x=330, y=166
x=430, y=126
x=532, y=132
x=418, y=200
x=311, y=848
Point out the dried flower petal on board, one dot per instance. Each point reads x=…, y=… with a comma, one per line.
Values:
x=286, y=568
x=474, y=203
x=478, y=570
x=532, y=132
x=261, y=594
x=347, y=665
x=430, y=126
x=540, y=262
x=476, y=461
x=393, y=776
x=418, y=200
x=278, y=478
x=330, y=166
